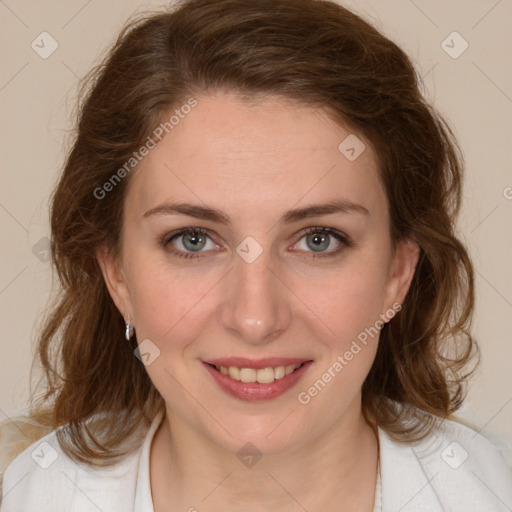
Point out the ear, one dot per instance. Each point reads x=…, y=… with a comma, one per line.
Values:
x=115, y=280
x=402, y=270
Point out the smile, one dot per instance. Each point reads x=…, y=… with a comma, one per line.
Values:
x=256, y=381
x=263, y=375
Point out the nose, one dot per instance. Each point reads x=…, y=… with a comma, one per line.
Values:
x=256, y=308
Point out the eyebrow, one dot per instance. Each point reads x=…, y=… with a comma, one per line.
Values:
x=214, y=215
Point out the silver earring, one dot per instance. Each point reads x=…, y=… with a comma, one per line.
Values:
x=129, y=330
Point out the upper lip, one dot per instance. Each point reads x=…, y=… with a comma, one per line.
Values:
x=267, y=362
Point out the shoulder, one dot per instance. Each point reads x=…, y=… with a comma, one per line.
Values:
x=484, y=448
x=453, y=468
x=44, y=478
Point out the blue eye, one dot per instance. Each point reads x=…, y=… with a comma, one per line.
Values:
x=194, y=240
x=320, y=238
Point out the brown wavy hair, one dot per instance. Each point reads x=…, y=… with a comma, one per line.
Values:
x=321, y=55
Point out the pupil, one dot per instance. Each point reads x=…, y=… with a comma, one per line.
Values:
x=318, y=239
x=195, y=240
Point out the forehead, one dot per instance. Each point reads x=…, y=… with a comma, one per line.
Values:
x=257, y=157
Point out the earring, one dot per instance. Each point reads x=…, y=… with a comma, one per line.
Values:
x=129, y=330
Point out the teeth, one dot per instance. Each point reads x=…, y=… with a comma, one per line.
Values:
x=234, y=372
x=248, y=375
x=289, y=369
x=263, y=375
x=279, y=372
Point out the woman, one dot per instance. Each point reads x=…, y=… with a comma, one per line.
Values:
x=265, y=305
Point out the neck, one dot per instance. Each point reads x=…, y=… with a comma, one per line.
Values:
x=340, y=467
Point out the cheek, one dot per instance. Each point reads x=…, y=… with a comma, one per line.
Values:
x=350, y=305
x=346, y=300
x=170, y=301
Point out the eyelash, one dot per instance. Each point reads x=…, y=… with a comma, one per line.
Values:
x=341, y=237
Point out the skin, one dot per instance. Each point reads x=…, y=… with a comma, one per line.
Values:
x=254, y=161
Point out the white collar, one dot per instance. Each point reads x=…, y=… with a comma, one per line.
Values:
x=143, y=498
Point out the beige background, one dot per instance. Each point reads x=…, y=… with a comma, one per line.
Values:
x=474, y=91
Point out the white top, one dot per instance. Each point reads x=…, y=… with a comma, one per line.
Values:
x=454, y=469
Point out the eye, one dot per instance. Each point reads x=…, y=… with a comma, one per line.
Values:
x=319, y=239
x=192, y=239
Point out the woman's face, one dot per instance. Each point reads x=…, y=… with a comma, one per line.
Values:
x=253, y=289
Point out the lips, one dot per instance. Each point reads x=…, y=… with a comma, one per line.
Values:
x=256, y=380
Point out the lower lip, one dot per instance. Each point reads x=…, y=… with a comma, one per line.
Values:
x=254, y=391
